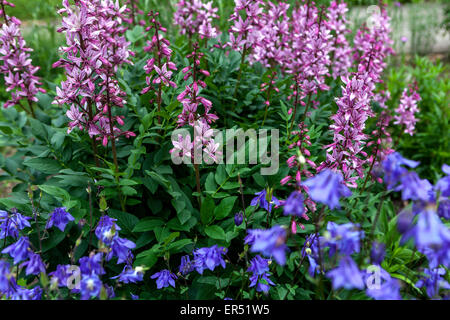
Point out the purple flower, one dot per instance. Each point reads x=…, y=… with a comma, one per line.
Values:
x=10, y=225
x=59, y=218
x=443, y=185
x=407, y=109
x=60, y=276
x=164, y=278
x=327, y=187
x=383, y=286
x=262, y=200
x=92, y=264
x=106, y=229
x=34, y=264
x=433, y=280
x=260, y=269
x=344, y=238
x=258, y=265
x=311, y=250
x=17, y=67
x=377, y=253
x=346, y=275
x=209, y=258
x=20, y=221
x=444, y=209
x=261, y=281
x=134, y=296
x=19, y=250
x=414, y=188
x=17, y=292
x=121, y=248
x=95, y=49
x=4, y=276
x=238, y=219
x=294, y=205
x=394, y=170
x=430, y=231
x=130, y=275
x=91, y=287
x=186, y=265
x=270, y=242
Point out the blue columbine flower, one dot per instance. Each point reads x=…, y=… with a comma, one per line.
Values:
x=11, y=224
x=131, y=275
x=92, y=265
x=260, y=269
x=34, y=264
x=262, y=282
x=59, y=276
x=17, y=292
x=238, y=219
x=186, y=265
x=311, y=250
x=262, y=200
x=327, y=187
x=393, y=168
x=258, y=265
x=430, y=231
x=414, y=188
x=294, y=204
x=107, y=230
x=19, y=250
x=209, y=258
x=345, y=238
x=444, y=209
x=59, y=218
x=270, y=243
x=433, y=281
x=443, y=185
x=377, y=253
x=5, y=271
x=164, y=278
x=134, y=296
x=91, y=287
x=121, y=248
x=346, y=275
x=382, y=286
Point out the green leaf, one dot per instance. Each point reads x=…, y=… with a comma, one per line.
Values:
x=180, y=244
x=44, y=165
x=215, y=232
x=148, y=224
x=224, y=208
x=55, y=191
x=207, y=210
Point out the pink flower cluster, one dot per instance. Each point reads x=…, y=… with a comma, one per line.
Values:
x=346, y=153
x=196, y=17
x=17, y=67
x=132, y=12
x=95, y=49
x=407, y=108
x=271, y=39
x=158, y=68
x=310, y=49
x=341, y=50
x=202, y=147
x=190, y=97
x=246, y=23
x=191, y=100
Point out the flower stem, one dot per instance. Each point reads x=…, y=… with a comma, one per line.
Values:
x=197, y=180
